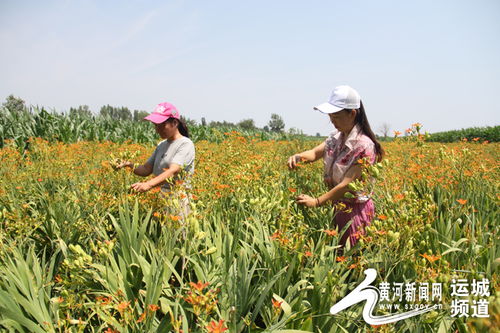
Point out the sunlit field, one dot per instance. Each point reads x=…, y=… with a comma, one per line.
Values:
x=80, y=252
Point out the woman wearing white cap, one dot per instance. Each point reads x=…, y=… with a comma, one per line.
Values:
x=341, y=152
x=172, y=156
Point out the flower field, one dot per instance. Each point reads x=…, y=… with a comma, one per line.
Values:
x=80, y=252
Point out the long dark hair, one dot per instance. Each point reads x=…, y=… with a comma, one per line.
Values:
x=365, y=127
x=181, y=126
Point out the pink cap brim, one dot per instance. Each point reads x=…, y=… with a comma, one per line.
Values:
x=156, y=118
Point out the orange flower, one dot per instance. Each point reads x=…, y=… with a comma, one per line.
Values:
x=198, y=286
x=175, y=217
x=193, y=299
x=340, y=259
x=431, y=258
x=291, y=189
x=358, y=234
x=382, y=217
x=331, y=232
x=352, y=266
x=397, y=133
x=141, y=317
x=215, y=327
x=308, y=254
x=39, y=179
x=153, y=307
x=103, y=300
x=399, y=196
x=462, y=201
x=376, y=326
x=123, y=305
x=276, y=304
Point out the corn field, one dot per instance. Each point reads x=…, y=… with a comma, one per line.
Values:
x=20, y=126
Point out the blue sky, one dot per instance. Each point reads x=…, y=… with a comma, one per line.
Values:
x=433, y=62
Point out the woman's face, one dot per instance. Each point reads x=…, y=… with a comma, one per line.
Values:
x=343, y=120
x=166, y=129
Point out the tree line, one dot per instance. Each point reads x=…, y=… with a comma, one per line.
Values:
x=275, y=124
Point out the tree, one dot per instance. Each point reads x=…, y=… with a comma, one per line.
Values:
x=276, y=124
x=81, y=111
x=295, y=131
x=384, y=129
x=318, y=134
x=189, y=122
x=14, y=104
x=247, y=124
x=122, y=113
x=140, y=114
x=221, y=124
x=203, y=121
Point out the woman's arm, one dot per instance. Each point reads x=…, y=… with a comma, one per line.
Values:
x=143, y=170
x=158, y=180
x=311, y=155
x=335, y=193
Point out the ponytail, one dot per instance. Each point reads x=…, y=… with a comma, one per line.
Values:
x=183, y=129
x=181, y=126
x=362, y=120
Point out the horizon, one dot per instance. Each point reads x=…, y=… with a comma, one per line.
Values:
x=391, y=134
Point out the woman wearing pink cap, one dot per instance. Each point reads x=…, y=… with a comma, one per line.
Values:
x=173, y=158
x=341, y=152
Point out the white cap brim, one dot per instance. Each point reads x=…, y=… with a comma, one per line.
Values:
x=327, y=108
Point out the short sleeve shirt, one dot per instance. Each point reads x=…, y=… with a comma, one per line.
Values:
x=181, y=152
x=339, y=158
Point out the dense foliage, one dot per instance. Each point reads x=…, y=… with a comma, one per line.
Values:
x=20, y=125
x=80, y=252
x=489, y=133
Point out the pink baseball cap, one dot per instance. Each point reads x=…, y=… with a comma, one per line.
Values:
x=162, y=112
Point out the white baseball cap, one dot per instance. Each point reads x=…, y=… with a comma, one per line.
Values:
x=343, y=97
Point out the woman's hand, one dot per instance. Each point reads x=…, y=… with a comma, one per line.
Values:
x=304, y=199
x=307, y=156
x=141, y=187
x=293, y=160
x=124, y=164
